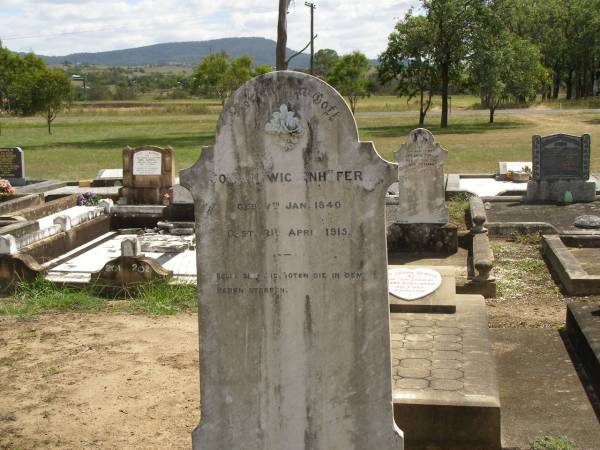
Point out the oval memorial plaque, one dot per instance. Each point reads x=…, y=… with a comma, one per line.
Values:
x=412, y=284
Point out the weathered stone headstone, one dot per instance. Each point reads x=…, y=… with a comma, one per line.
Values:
x=421, y=179
x=148, y=174
x=12, y=166
x=422, y=222
x=561, y=169
x=292, y=275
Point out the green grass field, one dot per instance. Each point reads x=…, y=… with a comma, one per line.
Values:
x=91, y=137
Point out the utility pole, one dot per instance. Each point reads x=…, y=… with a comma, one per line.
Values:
x=312, y=35
x=280, y=51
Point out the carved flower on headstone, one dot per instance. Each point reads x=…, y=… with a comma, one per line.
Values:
x=284, y=121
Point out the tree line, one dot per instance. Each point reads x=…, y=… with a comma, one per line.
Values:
x=501, y=50
x=28, y=86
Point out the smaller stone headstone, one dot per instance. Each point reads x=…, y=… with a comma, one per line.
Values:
x=412, y=284
x=587, y=221
x=12, y=165
x=421, y=216
x=148, y=174
x=421, y=179
x=131, y=247
x=513, y=166
x=128, y=271
x=561, y=169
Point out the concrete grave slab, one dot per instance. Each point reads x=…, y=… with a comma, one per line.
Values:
x=505, y=216
x=541, y=390
x=292, y=261
x=489, y=186
x=108, y=177
x=171, y=252
x=576, y=261
x=583, y=329
x=445, y=389
x=107, y=191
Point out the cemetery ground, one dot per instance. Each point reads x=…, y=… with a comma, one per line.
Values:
x=80, y=371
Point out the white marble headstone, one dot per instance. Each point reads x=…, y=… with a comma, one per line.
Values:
x=147, y=162
x=421, y=190
x=292, y=279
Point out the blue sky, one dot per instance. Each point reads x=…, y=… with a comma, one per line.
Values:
x=59, y=27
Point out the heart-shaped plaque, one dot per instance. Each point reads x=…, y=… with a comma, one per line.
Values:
x=412, y=284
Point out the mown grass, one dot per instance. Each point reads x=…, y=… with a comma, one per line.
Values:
x=82, y=144
x=41, y=295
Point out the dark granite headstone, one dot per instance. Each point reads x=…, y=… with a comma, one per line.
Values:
x=561, y=157
x=561, y=169
x=12, y=165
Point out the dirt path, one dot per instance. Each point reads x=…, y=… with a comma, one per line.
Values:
x=98, y=381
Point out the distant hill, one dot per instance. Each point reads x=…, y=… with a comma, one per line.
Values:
x=261, y=50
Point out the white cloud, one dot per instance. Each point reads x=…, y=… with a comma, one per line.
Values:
x=60, y=27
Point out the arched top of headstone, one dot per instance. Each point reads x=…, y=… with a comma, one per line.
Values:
x=287, y=103
x=284, y=119
x=420, y=146
x=561, y=156
x=421, y=192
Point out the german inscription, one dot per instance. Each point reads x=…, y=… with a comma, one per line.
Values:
x=291, y=261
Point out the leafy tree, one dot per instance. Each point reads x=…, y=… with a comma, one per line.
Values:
x=262, y=69
x=349, y=77
x=22, y=89
x=218, y=76
x=506, y=67
x=451, y=23
x=53, y=92
x=566, y=32
x=324, y=61
x=409, y=60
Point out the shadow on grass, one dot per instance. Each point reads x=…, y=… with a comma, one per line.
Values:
x=459, y=128
x=593, y=121
x=175, y=140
